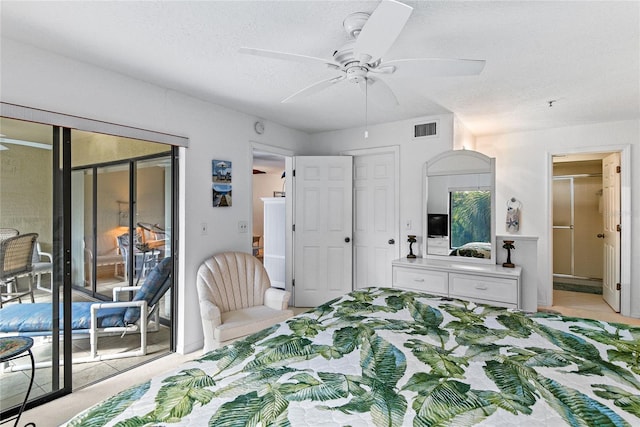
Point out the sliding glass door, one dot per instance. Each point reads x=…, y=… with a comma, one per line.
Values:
x=103, y=209
x=31, y=201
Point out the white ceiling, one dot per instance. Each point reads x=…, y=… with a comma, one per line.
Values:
x=584, y=54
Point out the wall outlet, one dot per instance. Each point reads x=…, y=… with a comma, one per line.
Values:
x=204, y=228
x=243, y=227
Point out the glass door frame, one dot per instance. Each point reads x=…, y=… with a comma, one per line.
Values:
x=132, y=191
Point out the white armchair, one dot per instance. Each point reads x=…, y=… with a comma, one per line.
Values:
x=236, y=298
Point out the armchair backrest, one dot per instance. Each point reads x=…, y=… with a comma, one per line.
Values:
x=16, y=255
x=232, y=281
x=5, y=233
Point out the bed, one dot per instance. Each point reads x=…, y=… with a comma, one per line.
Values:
x=387, y=357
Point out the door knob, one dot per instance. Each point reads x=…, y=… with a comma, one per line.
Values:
x=392, y=242
x=346, y=239
x=601, y=236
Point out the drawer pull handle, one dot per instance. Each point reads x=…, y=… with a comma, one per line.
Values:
x=481, y=287
x=418, y=280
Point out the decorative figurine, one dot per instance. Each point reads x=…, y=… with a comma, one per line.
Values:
x=411, y=240
x=508, y=245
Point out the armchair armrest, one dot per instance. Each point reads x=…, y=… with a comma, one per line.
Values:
x=211, y=319
x=210, y=312
x=98, y=305
x=46, y=255
x=277, y=299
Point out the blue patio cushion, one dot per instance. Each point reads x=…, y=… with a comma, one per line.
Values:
x=38, y=317
x=154, y=287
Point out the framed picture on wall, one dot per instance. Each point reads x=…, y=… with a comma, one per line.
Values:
x=221, y=182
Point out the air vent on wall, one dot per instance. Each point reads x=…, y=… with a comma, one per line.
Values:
x=425, y=130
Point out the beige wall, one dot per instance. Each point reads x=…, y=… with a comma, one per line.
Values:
x=26, y=191
x=89, y=148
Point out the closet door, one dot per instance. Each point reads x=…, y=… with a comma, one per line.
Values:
x=323, y=229
x=563, y=226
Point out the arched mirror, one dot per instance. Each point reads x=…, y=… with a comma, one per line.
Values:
x=459, y=207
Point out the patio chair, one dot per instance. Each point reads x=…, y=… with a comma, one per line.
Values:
x=16, y=260
x=5, y=233
x=42, y=264
x=144, y=256
x=97, y=318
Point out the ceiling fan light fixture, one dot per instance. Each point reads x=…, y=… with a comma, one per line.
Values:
x=357, y=74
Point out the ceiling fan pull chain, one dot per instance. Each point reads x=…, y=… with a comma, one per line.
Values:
x=366, y=104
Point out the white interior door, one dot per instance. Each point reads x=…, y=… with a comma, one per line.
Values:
x=375, y=225
x=611, y=217
x=323, y=229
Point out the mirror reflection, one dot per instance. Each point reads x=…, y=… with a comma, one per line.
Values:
x=459, y=209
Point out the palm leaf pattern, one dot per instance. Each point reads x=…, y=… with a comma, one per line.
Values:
x=387, y=357
x=99, y=415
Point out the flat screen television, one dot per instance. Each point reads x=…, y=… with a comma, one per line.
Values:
x=437, y=225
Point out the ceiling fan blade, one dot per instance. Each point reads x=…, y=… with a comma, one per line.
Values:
x=287, y=56
x=436, y=67
x=379, y=92
x=316, y=87
x=382, y=29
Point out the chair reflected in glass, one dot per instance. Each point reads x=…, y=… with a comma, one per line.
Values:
x=16, y=260
x=144, y=256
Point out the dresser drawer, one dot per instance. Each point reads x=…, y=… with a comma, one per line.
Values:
x=429, y=281
x=488, y=289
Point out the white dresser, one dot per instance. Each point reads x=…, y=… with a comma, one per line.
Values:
x=484, y=283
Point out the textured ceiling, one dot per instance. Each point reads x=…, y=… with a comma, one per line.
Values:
x=584, y=54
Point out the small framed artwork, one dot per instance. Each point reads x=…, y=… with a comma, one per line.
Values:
x=221, y=183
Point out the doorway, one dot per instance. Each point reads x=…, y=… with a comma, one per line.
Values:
x=584, y=206
x=375, y=204
x=269, y=224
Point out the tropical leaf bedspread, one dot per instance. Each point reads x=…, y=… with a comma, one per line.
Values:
x=386, y=357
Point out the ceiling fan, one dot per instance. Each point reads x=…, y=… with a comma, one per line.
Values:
x=359, y=60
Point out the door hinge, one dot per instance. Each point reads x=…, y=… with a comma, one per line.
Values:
x=293, y=227
x=618, y=169
x=618, y=228
x=294, y=172
x=293, y=283
x=618, y=287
